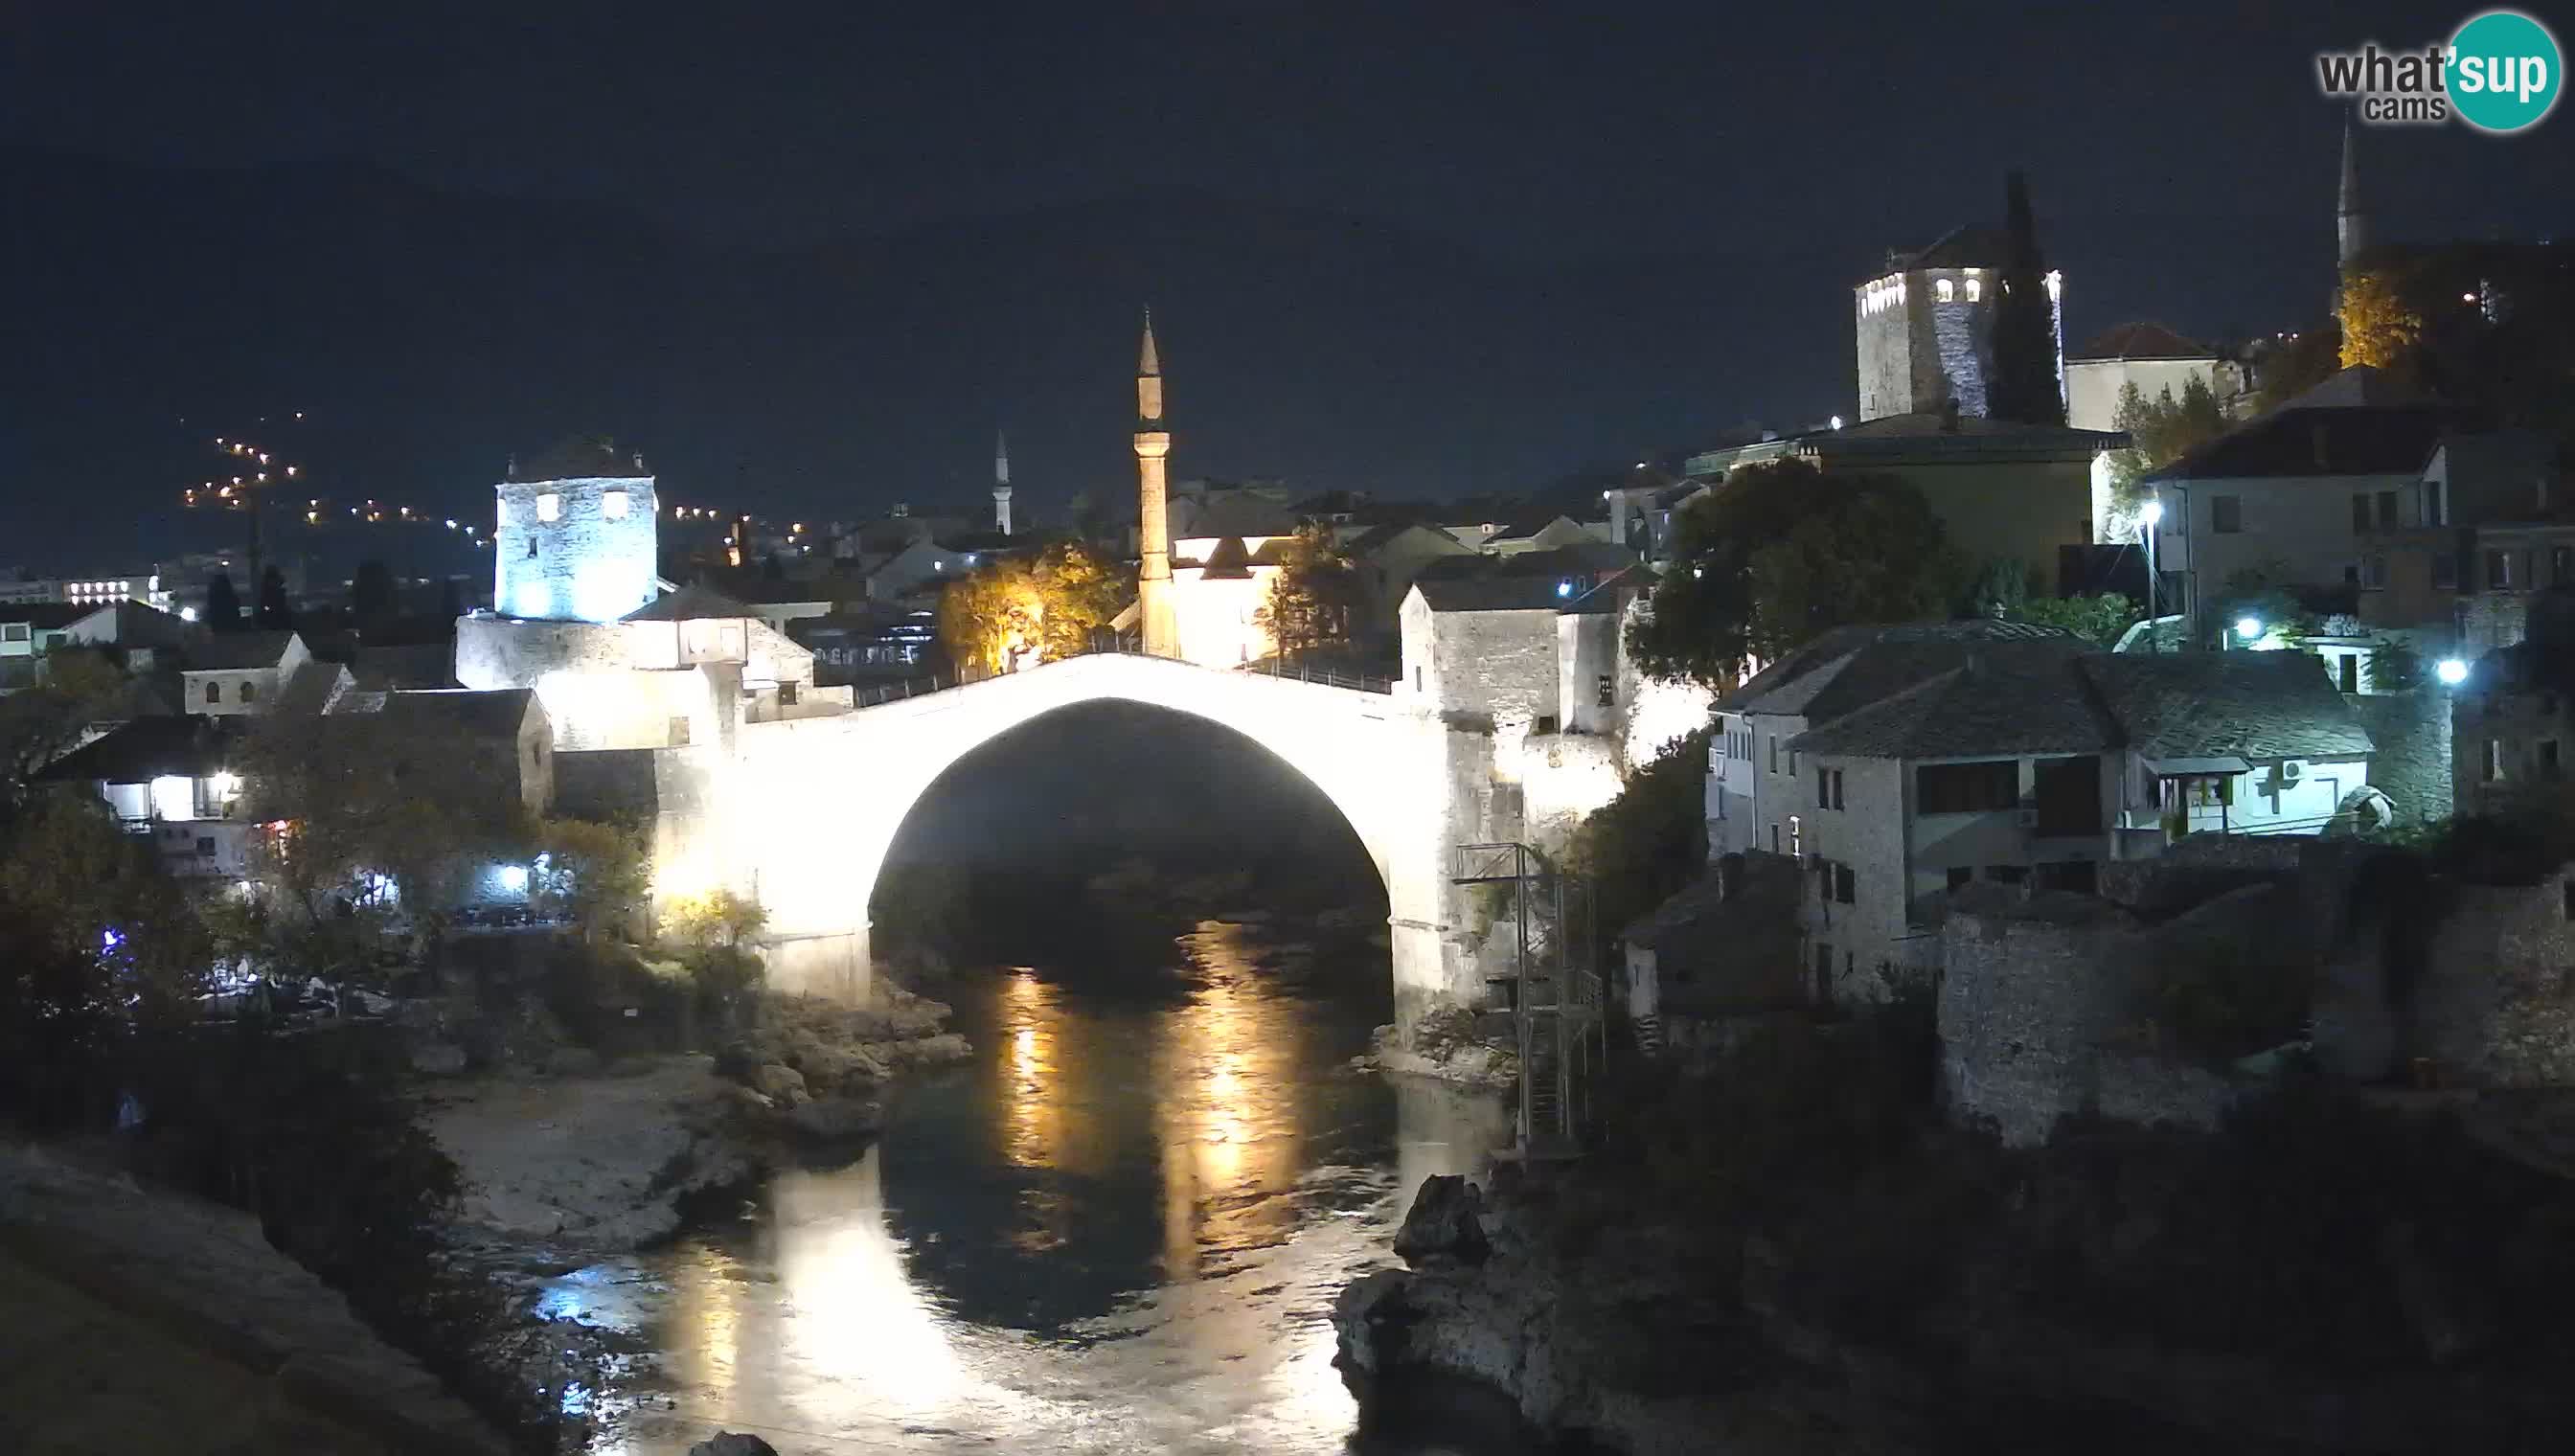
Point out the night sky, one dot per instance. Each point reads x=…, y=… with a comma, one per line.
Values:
x=810, y=260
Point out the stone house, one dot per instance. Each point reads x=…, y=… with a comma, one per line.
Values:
x=2512, y=724
x=170, y=779
x=2147, y=355
x=1722, y=949
x=575, y=536
x=1388, y=558
x=2453, y=559
x=2027, y=762
x=240, y=671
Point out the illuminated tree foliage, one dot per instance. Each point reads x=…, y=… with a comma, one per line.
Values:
x=1313, y=597
x=1781, y=552
x=2379, y=328
x=596, y=873
x=1018, y=610
x=2160, y=430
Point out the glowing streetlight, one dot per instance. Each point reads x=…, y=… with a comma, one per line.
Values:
x=2153, y=514
x=2452, y=672
x=2248, y=628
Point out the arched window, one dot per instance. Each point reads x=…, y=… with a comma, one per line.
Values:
x=1947, y=290
x=213, y=693
x=249, y=691
x=1976, y=289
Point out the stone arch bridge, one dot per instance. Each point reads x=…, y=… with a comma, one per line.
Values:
x=801, y=812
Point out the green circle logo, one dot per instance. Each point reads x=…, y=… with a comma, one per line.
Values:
x=2504, y=71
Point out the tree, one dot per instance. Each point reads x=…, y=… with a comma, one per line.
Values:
x=371, y=596
x=1080, y=592
x=1703, y=625
x=597, y=873
x=771, y=568
x=223, y=603
x=2160, y=430
x=989, y=616
x=2379, y=328
x=1315, y=595
x=2024, y=386
x=2100, y=619
x=273, y=613
x=713, y=918
x=38, y=725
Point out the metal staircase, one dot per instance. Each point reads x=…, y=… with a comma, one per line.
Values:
x=1549, y=987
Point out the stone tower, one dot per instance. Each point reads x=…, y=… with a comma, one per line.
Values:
x=576, y=536
x=1002, y=484
x=1153, y=606
x=2351, y=225
x=1924, y=326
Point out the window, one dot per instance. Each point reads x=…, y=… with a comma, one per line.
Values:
x=2225, y=514
x=249, y=690
x=787, y=694
x=1774, y=838
x=1837, y=789
x=13, y=632
x=2434, y=512
x=1947, y=290
x=2360, y=510
x=1845, y=883
x=1823, y=789
x=213, y=693
x=1416, y=680
x=611, y=504
x=550, y=507
x=1792, y=763
x=2548, y=758
x=2445, y=571
x=2561, y=566
x=2374, y=570
x=2492, y=769
x=2007, y=873
x=679, y=733
x=2498, y=571
x=1976, y=289
x=1774, y=753
x=532, y=548
x=1608, y=695
x=2207, y=792
x=205, y=843
x=2387, y=509
x=1948, y=788
x=2350, y=664
x=1823, y=973
x=1959, y=876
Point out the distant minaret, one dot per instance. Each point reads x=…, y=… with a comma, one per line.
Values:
x=2351, y=225
x=1161, y=626
x=1002, y=484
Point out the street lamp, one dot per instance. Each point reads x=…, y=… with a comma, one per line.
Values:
x=2153, y=517
x=2452, y=672
x=2248, y=628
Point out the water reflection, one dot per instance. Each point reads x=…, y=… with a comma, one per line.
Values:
x=1121, y=1228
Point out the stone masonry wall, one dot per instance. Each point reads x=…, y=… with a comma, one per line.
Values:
x=2412, y=763
x=2494, y=1004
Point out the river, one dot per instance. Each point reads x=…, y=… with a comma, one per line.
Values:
x=1118, y=1229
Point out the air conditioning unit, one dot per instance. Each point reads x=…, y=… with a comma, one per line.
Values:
x=2288, y=770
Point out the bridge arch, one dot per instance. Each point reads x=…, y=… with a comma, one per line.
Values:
x=815, y=803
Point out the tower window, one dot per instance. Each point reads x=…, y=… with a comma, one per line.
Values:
x=1946, y=288
x=1976, y=289
x=613, y=504
x=550, y=507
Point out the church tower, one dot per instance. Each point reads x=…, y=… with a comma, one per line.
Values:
x=2351, y=225
x=1002, y=484
x=1153, y=606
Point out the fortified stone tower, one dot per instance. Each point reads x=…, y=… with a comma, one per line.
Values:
x=1925, y=325
x=1002, y=484
x=575, y=537
x=1153, y=606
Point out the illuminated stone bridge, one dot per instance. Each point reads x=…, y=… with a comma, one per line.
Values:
x=808, y=807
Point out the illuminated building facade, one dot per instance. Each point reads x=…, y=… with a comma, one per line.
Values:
x=575, y=540
x=1925, y=327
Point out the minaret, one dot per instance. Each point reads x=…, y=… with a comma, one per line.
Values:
x=1154, y=608
x=1002, y=484
x=2351, y=225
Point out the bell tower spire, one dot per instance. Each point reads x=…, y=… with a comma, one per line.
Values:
x=1153, y=606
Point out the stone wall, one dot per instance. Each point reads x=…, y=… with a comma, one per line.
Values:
x=2412, y=763
x=2494, y=1003
x=585, y=564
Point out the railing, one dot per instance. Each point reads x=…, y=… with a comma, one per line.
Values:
x=945, y=682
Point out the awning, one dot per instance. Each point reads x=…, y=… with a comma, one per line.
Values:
x=2196, y=768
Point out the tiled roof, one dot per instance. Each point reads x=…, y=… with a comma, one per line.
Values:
x=2141, y=341
x=187, y=746
x=2373, y=439
x=1228, y=513
x=1227, y=560
x=1910, y=653
x=1490, y=594
x=45, y=614
x=2276, y=705
x=312, y=688
x=1583, y=559
x=495, y=712
x=232, y=651
x=692, y=602
x=2005, y=698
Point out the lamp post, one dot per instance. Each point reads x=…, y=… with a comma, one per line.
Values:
x=2153, y=517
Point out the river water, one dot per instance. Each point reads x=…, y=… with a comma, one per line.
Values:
x=1118, y=1229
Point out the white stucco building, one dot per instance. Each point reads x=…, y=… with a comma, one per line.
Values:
x=2154, y=357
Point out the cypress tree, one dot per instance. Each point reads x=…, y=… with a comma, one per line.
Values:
x=223, y=603
x=2024, y=386
x=272, y=601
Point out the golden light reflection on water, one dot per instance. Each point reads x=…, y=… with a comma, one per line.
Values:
x=1227, y=1119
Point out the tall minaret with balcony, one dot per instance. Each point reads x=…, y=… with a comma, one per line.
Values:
x=2351, y=224
x=1002, y=484
x=1153, y=606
